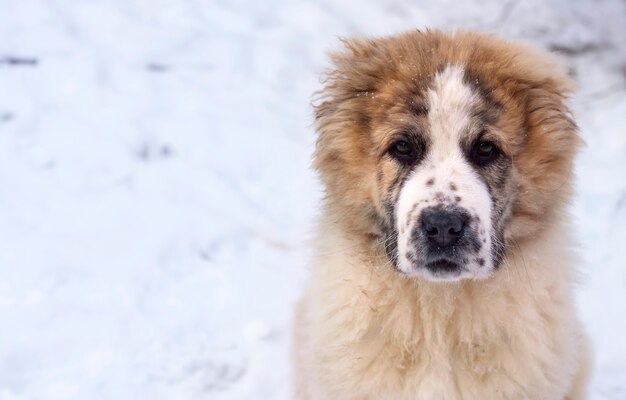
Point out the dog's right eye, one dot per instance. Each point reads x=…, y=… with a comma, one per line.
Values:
x=403, y=151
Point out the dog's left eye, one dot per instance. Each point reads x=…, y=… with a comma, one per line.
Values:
x=402, y=150
x=484, y=152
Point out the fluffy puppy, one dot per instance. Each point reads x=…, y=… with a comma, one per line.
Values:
x=443, y=264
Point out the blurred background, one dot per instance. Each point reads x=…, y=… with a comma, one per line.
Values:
x=156, y=195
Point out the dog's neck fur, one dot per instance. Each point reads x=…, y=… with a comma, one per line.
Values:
x=407, y=324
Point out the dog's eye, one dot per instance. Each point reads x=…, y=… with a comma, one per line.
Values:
x=402, y=150
x=484, y=152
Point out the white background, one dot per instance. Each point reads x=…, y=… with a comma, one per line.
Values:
x=156, y=196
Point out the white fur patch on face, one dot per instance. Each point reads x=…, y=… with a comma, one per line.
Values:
x=445, y=179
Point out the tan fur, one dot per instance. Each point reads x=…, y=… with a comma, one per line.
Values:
x=362, y=330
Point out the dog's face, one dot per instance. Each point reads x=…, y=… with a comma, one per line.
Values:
x=447, y=150
x=451, y=194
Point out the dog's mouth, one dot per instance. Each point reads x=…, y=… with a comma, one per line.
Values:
x=444, y=268
x=443, y=243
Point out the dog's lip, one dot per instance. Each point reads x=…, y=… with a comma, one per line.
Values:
x=444, y=265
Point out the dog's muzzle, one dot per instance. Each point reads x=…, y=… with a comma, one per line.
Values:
x=445, y=237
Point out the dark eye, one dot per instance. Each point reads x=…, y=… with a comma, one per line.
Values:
x=484, y=152
x=403, y=151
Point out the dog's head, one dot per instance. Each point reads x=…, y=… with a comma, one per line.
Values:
x=447, y=150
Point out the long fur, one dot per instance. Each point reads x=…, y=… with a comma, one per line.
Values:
x=364, y=331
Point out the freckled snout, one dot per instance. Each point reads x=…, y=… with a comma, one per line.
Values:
x=443, y=227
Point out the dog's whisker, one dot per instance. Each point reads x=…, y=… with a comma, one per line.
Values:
x=521, y=254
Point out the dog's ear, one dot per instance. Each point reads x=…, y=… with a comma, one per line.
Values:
x=344, y=110
x=355, y=73
x=545, y=163
x=342, y=118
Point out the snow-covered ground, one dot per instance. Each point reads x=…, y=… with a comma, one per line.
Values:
x=156, y=196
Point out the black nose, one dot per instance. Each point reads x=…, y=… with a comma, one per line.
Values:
x=443, y=227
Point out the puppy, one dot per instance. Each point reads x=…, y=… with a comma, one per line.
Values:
x=443, y=264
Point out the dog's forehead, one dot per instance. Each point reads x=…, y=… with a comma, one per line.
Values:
x=450, y=103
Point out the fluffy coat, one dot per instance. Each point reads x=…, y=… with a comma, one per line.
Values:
x=364, y=331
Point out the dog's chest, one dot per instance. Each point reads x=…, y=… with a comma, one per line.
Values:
x=441, y=347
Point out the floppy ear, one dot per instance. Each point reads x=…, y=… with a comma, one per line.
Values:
x=355, y=70
x=342, y=120
x=344, y=114
x=354, y=75
x=545, y=164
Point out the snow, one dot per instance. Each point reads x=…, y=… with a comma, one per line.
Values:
x=156, y=196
